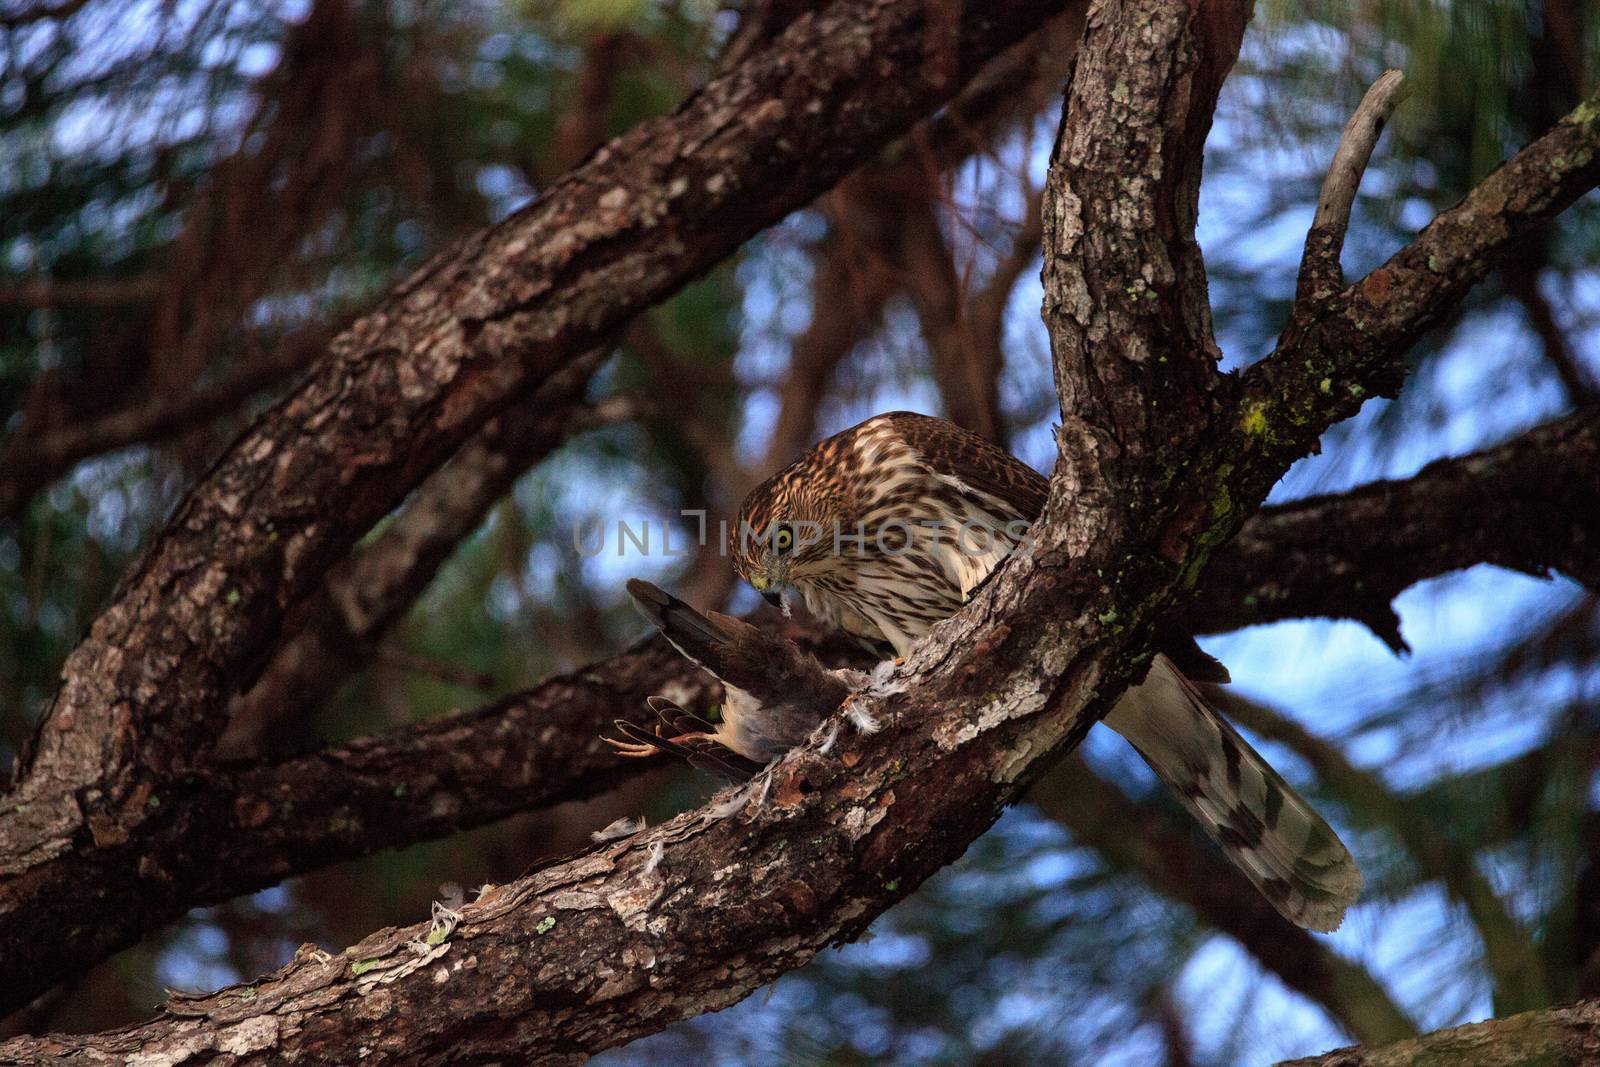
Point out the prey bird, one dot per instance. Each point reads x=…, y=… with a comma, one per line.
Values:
x=885, y=529
x=776, y=694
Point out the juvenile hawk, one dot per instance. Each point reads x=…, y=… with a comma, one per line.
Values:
x=923, y=511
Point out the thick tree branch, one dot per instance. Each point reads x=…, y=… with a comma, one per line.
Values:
x=1557, y=1036
x=339, y=628
x=340, y=622
x=1527, y=504
x=233, y=829
x=695, y=914
x=144, y=696
x=1343, y=556
x=1002, y=688
x=1347, y=346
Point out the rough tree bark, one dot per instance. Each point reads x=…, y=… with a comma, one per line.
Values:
x=1348, y=555
x=1556, y=1037
x=1162, y=460
x=338, y=628
x=1320, y=557
x=144, y=696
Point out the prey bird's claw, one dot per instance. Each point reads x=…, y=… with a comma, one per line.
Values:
x=636, y=742
x=631, y=749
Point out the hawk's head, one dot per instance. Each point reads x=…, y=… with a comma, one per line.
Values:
x=785, y=529
x=878, y=527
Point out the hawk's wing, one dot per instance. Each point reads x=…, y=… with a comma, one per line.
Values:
x=960, y=456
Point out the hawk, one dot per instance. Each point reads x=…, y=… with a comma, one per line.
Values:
x=775, y=693
x=886, y=528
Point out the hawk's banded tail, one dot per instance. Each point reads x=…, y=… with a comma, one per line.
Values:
x=1266, y=829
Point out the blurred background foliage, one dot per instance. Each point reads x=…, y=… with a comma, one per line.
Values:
x=194, y=193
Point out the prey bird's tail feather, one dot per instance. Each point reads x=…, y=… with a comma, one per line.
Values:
x=1267, y=830
x=697, y=637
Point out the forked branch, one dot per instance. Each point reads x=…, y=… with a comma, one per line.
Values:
x=1320, y=273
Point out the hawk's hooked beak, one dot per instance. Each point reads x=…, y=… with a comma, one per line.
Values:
x=770, y=592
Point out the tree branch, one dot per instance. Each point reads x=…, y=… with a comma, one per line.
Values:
x=339, y=628
x=379, y=583
x=1566, y=1035
x=1346, y=346
x=1348, y=555
x=583, y=128
x=144, y=696
x=860, y=820
x=1320, y=273
x=1325, y=556
x=695, y=914
x=364, y=596
x=219, y=833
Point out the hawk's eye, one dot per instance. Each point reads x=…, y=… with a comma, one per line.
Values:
x=783, y=539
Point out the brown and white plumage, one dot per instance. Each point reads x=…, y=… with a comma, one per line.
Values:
x=927, y=477
x=775, y=694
